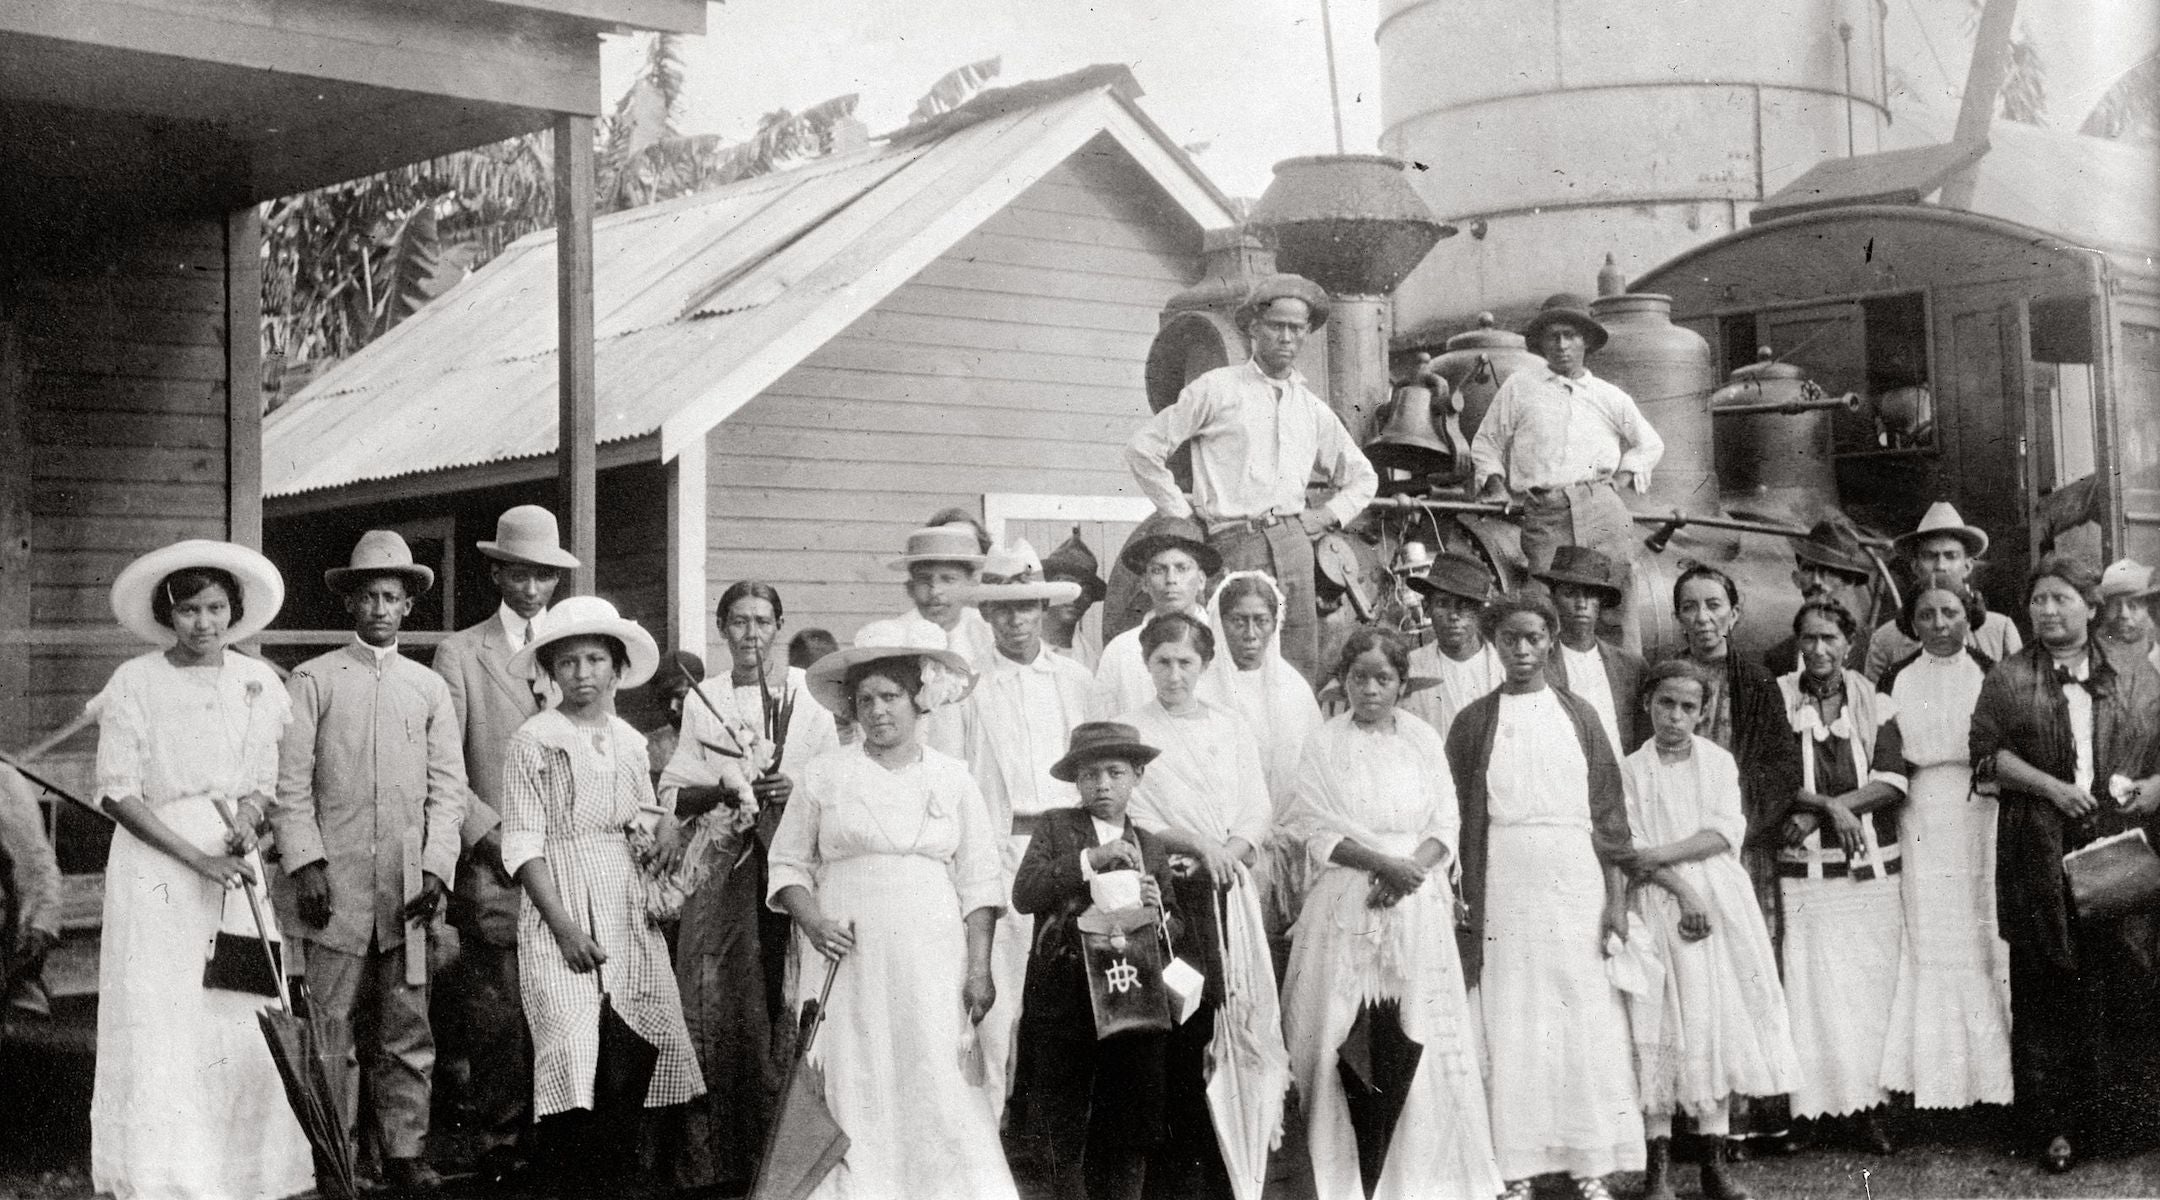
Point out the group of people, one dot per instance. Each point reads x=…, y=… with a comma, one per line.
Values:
x=1511, y=904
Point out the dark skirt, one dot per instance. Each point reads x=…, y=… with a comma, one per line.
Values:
x=2085, y=1036
x=721, y=969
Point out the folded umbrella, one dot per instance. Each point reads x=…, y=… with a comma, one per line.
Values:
x=1249, y=1068
x=805, y=1143
x=314, y=1058
x=623, y=1072
x=1376, y=1061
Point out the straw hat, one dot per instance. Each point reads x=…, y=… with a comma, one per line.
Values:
x=1014, y=574
x=940, y=543
x=1566, y=309
x=380, y=552
x=1583, y=567
x=1941, y=519
x=2127, y=577
x=1093, y=741
x=590, y=616
x=1455, y=575
x=262, y=589
x=528, y=534
x=827, y=677
x=1163, y=533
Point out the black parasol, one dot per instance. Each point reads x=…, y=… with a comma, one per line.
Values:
x=806, y=1143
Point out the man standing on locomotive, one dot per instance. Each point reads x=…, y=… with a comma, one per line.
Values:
x=1562, y=443
x=1257, y=433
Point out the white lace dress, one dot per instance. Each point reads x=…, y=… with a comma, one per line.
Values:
x=187, y=1102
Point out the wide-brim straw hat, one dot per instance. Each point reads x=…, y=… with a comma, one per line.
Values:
x=940, y=543
x=1093, y=741
x=1013, y=574
x=827, y=677
x=1454, y=575
x=262, y=589
x=1164, y=533
x=1941, y=520
x=1565, y=309
x=529, y=534
x=590, y=616
x=1583, y=567
x=380, y=552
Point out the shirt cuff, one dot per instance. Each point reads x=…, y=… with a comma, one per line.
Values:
x=1087, y=869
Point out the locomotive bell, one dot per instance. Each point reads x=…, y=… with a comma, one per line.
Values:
x=1409, y=443
x=1477, y=362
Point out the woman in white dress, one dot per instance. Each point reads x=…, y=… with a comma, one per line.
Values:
x=1545, y=833
x=1837, y=878
x=1950, y=1022
x=1376, y=943
x=186, y=1102
x=581, y=833
x=1260, y=685
x=886, y=861
x=731, y=952
x=1721, y=1031
x=1207, y=798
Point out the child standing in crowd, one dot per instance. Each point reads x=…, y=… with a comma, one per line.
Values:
x=1456, y=589
x=1724, y=1031
x=1174, y=564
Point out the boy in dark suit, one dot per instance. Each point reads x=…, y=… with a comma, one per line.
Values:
x=1094, y=1108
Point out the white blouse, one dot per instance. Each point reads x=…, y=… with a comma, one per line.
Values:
x=1537, y=775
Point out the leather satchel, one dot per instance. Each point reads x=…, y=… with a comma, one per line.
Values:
x=2114, y=876
x=1124, y=953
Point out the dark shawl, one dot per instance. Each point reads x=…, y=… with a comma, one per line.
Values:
x=2022, y=709
x=1469, y=753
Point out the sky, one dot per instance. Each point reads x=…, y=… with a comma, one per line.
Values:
x=1246, y=77
x=1246, y=80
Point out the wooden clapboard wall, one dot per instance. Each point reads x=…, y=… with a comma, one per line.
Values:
x=119, y=406
x=1012, y=363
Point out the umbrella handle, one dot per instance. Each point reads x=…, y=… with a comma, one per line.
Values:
x=262, y=933
x=817, y=1021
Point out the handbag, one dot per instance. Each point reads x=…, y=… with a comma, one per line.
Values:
x=1124, y=954
x=237, y=961
x=2116, y=875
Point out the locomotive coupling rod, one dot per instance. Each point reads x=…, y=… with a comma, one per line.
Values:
x=1850, y=402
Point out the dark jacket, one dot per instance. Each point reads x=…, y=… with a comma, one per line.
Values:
x=1066, y=1082
x=2022, y=709
x=1623, y=672
x=1469, y=753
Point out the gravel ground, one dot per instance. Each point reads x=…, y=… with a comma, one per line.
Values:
x=45, y=1145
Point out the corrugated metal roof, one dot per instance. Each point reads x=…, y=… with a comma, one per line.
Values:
x=683, y=294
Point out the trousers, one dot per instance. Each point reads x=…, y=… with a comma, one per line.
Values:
x=392, y=1041
x=1284, y=551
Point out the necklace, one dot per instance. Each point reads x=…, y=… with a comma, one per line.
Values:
x=922, y=786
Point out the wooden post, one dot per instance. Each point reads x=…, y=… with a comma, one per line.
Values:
x=577, y=454
x=243, y=377
x=15, y=492
x=1983, y=86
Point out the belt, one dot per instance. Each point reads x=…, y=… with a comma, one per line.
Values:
x=1249, y=524
x=1835, y=868
x=1561, y=491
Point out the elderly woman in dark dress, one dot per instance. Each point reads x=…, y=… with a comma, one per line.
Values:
x=2072, y=736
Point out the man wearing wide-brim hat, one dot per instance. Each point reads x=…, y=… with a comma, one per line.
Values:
x=1174, y=561
x=1608, y=676
x=371, y=756
x=1829, y=563
x=526, y=562
x=1941, y=549
x=940, y=562
x=1025, y=704
x=1258, y=433
x=1455, y=588
x=1562, y=443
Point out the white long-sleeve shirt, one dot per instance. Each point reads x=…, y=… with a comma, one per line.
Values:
x=1546, y=430
x=1256, y=441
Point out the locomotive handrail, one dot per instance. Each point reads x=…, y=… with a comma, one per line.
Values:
x=1850, y=402
x=1667, y=525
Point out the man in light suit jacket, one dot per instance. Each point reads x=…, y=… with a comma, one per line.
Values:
x=1584, y=585
x=490, y=703
x=370, y=759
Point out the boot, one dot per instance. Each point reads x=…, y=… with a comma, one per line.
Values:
x=1657, y=1169
x=1717, y=1180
